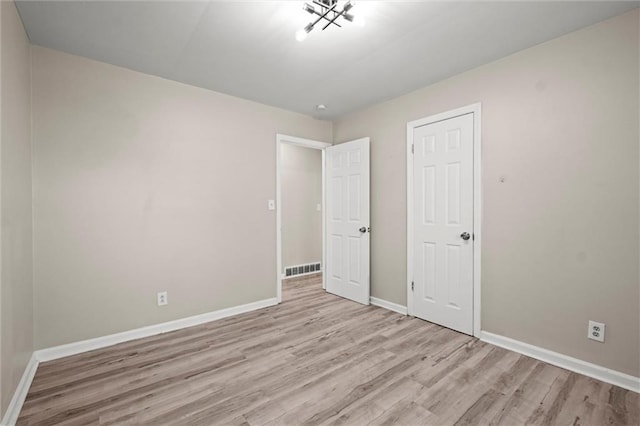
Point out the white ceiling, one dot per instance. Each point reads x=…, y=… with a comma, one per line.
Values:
x=248, y=49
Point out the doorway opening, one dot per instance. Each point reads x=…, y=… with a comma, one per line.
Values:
x=300, y=211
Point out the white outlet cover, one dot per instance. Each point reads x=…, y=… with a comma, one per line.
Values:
x=162, y=298
x=596, y=331
x=271, y=205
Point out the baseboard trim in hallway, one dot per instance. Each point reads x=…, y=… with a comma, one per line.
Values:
x=388, y=305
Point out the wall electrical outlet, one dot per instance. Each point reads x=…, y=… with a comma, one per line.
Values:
x=162, y=298
x=596, y=331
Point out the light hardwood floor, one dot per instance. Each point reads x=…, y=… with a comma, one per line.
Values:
x=317, y=359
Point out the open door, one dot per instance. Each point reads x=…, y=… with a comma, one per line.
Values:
x=347, y=220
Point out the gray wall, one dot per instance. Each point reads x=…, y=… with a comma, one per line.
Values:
x=16, y=285
x=561, y=123
x=301, y=173
x=142, y=185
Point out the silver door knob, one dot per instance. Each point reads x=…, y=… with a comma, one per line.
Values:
x=363, y=229
x=465, y=236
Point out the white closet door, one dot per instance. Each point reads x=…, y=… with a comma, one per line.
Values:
x=443, y=223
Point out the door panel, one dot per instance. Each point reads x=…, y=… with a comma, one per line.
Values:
x=443, y=210
x=347, y=176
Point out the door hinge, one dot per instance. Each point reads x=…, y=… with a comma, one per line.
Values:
x=412, y=285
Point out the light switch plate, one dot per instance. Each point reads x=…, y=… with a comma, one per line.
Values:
x=271, y=204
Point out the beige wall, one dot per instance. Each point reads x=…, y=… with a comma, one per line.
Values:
x=301, y=172
x=16, y=286
x=143, y=185
x=560, y=122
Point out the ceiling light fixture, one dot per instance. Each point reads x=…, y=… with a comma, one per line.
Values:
x=302, y=34
x=328, y=11
x=355, y=19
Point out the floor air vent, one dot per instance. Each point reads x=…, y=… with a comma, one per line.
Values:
x=309, y=268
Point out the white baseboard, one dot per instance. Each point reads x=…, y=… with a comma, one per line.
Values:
x=112, y=339
x=388, y=305
x=13, y=410
x=49, y=354
x=617, y=378
x=614, y=377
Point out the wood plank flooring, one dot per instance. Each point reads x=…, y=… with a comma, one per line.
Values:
x=317, y=359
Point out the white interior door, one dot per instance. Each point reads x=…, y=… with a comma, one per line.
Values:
x=443, y=223
x=347, y=217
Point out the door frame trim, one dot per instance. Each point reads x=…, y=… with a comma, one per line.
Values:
x=306, y=143
x=476, y=110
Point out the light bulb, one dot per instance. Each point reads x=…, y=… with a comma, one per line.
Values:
x=347, y=6
x=301, y=35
